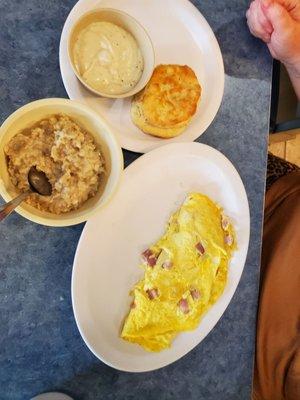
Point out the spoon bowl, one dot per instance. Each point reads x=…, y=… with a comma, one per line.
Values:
x=38, y=183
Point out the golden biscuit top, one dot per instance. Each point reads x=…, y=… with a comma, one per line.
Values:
x=171, y=96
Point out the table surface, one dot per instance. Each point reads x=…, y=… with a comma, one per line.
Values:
x=41, y=349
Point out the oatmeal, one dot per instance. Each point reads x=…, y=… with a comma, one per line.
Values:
x=66, y=153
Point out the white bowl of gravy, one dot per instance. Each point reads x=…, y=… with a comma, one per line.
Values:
x=111, y=53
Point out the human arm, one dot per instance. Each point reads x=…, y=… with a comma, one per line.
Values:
x=277, y=23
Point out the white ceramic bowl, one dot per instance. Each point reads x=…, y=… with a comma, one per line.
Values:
x=93, y=123
x=132, y=26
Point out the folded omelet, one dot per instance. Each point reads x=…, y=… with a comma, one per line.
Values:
x=185, y=273
x=167, y=104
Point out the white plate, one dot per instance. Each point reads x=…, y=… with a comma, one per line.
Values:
x=107, y=257
x=180, y=35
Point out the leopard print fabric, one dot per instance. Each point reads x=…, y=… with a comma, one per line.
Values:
x=277, y=167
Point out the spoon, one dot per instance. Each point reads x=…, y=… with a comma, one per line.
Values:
x=38, y=183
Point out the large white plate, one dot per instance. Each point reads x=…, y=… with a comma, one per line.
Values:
x=180, y=35
x=107, y=257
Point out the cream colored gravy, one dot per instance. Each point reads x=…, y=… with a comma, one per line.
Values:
x=108, y=58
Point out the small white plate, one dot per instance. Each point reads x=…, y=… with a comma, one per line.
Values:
x=107, y=257
x=180, y=35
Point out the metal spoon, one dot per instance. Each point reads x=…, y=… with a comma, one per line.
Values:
x=38, y=183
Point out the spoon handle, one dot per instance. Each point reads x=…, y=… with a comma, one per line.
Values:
x=9, y=207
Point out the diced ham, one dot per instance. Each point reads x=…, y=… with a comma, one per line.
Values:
x=184, y=306
x=152, y=293
x=167, y=264
x=149, y=257
x=228, y=239
x=132, y=305
x=195, y=294
x=200, y=248
x=224, y=222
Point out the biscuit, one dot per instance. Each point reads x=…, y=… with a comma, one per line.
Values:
x=168, y=102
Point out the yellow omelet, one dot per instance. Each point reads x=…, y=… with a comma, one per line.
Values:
x=185, y=273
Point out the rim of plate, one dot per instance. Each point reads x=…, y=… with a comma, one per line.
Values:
x=222, y=159
x=132, y=144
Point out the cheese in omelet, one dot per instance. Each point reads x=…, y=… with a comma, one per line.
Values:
x=185, y=273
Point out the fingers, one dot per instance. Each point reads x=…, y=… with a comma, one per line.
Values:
x=287, y=4
x=263, y=20
x=258, y=23
x=265, y=3
x=278, y=16
x=292, y=6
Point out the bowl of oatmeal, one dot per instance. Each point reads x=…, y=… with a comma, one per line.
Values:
x=73, y=146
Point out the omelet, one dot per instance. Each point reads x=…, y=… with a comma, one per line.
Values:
x=185, y=272
x=167, y=104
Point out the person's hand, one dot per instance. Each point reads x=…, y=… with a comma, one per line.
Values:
x=277, y=23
